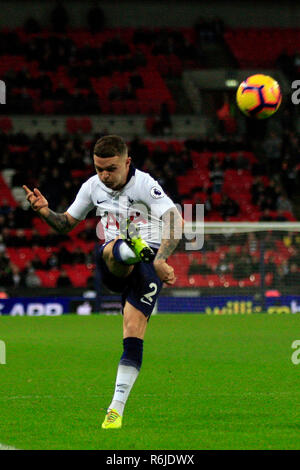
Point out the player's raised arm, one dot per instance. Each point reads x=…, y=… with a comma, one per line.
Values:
x=63, y=223
x=171, y=236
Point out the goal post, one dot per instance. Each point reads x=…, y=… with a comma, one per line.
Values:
x=242, y=267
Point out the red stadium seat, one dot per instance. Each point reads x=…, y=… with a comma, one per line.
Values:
x=72, y=125
x=6, y=124
x=48, y=278
x=85, y=124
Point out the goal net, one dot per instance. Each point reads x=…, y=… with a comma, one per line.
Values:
x=242, y=268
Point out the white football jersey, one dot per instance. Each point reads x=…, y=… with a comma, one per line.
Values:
x=142, y=199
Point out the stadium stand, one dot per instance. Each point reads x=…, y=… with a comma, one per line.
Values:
x=125, y=71
x=26, y=237
x=117, y=71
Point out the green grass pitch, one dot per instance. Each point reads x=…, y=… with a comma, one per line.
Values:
x=207, y=382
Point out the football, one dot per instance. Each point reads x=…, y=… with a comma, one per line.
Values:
x=259, y=96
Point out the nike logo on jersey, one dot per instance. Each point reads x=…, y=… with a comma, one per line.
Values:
x=100, y=202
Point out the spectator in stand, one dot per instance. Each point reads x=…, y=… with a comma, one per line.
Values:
x=292, y=278
x=53, y=238
x=31, y=26
x=266, y=216
x=208, y=206
x=266, y=202
x=52, y=261
x=289, y=176
x=213, y=163
x=95, y=18
x=252, y=243
x=257, y=190
x=59, y=18
x=2, y=223
x=136, y=81
x=209, y=243
x=228, y=163
x=255, y=263
x=285, y=63
x=36, y=263
x=231, y=256
x=280, y=217
x=64, y=255
x=242, y=163
x=4, y=259
x=217, y=177
x=31, y=279
x=272, y=147
x=228, y=207
x=279, y=277
x=88, y=234
x=284, y=204
x=63, y=280
x=197, y=267
x=36, y=239
x=17, y=278
x=61, y=94
x=170, y=183
x=295, y=258
x=78, y=256
x=243, y=267
x=165, y=119
x=115, y=93
x=10, y=275
x=272, y=191
x=18, y=240
x=296, y=60
x=270, y=266
x=139, y=152
x=128, y=92
x=223, y=267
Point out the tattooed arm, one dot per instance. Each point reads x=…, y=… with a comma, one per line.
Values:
x=62, y=223
x=172, y=234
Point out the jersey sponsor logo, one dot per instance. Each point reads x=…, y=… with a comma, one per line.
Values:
x=100, y=202
x=156, y=193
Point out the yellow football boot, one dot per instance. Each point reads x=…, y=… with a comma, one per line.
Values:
x=130, y=234
x=112, y=420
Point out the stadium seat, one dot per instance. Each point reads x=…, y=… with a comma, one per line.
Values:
x=48, y=278
x=72, y=125
x=85, y=124
x=6, y=124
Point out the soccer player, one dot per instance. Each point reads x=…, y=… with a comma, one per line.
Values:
x=142, y=227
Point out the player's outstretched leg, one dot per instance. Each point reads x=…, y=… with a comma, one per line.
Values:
x=129, y=233
x=134, y=327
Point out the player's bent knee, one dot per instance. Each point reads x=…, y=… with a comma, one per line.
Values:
x=134, y=322
x=113, y=265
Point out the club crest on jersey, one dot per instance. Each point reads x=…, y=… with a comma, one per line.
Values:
x=156, y=192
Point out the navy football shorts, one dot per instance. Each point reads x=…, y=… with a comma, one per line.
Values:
x=141, y=288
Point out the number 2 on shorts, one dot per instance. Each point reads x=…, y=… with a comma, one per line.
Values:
x=148, y=298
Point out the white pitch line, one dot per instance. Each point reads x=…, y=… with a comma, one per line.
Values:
x=4, y=447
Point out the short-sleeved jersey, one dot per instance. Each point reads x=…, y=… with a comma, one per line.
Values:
x=142, y=199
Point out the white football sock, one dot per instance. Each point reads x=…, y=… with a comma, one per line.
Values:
x=126, y=376
x=127, y=255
